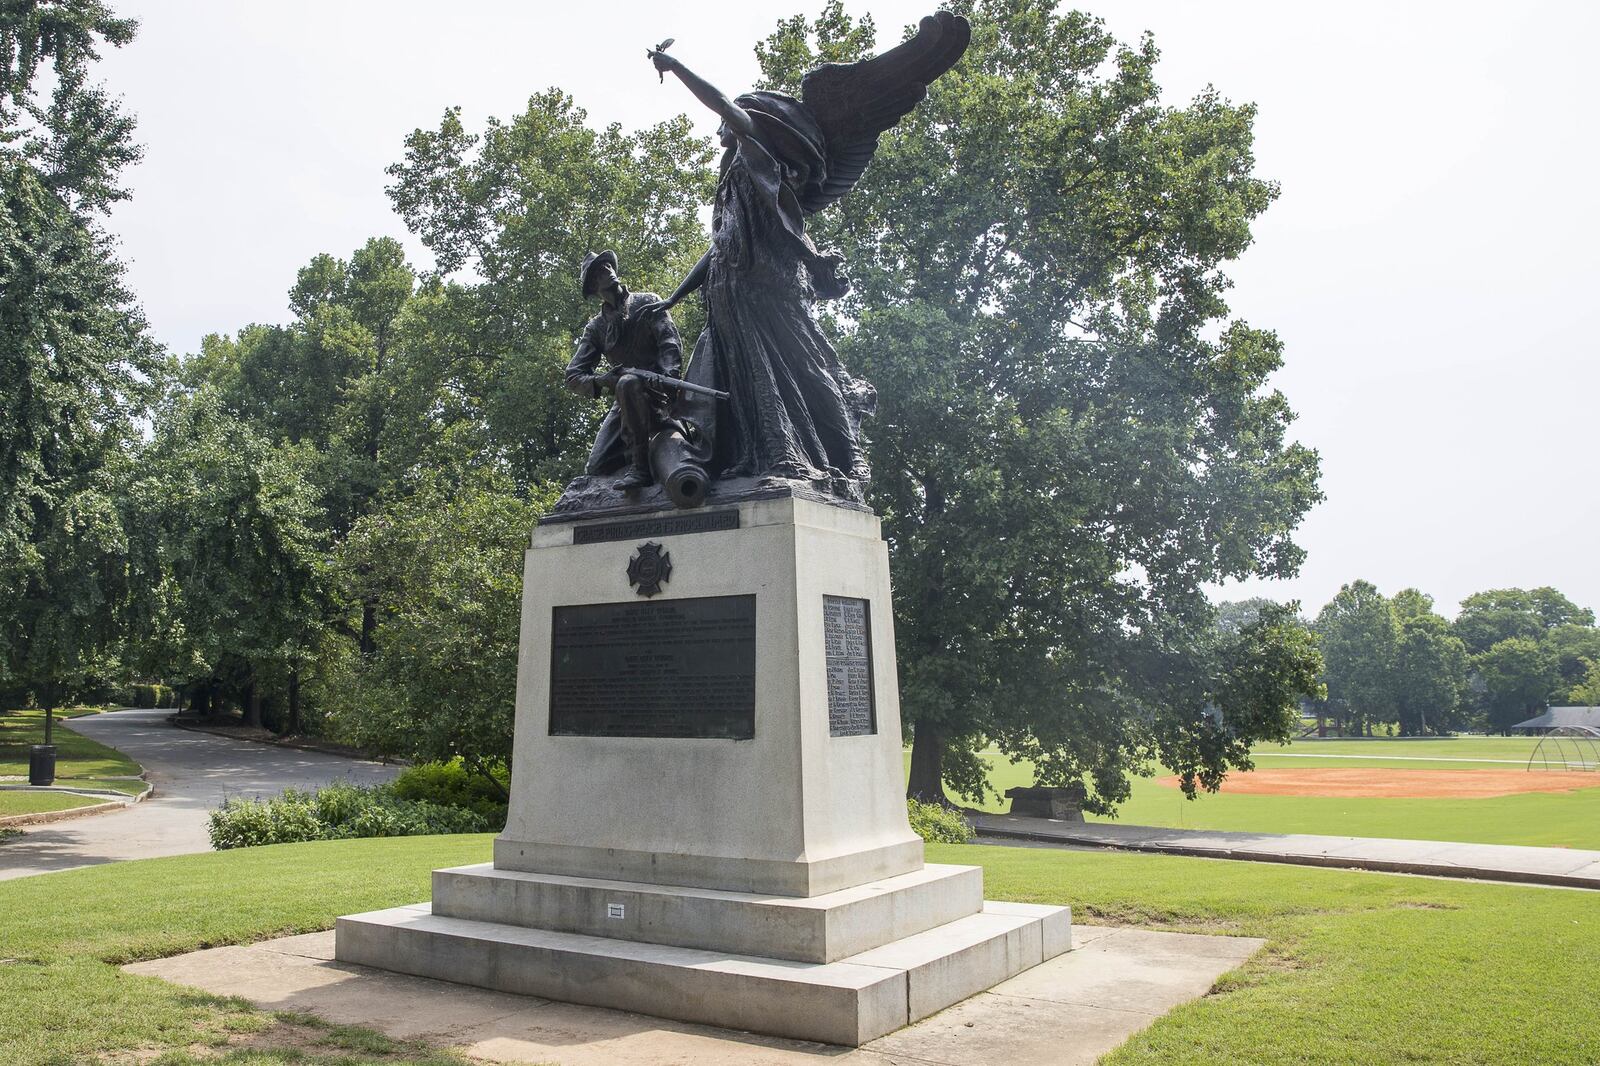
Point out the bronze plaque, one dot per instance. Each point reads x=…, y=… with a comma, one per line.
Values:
x=671, y=668
x=847, y=638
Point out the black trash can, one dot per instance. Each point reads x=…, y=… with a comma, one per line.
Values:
x=42, y=764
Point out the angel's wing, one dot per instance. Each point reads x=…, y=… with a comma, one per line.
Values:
x=855, y=102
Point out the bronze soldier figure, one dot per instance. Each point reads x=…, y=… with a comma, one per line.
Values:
x=628, y=340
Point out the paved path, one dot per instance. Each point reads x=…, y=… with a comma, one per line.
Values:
x=1068, y=1011
x=192, y=773
x=1491, y=862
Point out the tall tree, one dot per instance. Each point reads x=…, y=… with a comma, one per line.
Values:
x=1073, y=437
x=237, y=578
x=75, y=361
x=1517, y=676
x=1430, y=667
x=1360, y=640
x=446, y=561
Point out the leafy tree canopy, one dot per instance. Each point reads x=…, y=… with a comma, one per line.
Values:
x=232, y=565
x=1586, y=693
x=1517, y=676
x=1431, y=668
x=1573, y=647
x=1486, y=618
x=519, y=204
x=76, y=365
x=1360, y=636
x=447, y=561
x=1073, y=436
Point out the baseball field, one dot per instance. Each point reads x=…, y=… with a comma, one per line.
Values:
x=1474, y=789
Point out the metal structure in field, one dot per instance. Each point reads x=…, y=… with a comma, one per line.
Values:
x=1573, y=747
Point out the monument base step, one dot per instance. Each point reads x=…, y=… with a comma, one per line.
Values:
x=823, y=928
x=849, y=1002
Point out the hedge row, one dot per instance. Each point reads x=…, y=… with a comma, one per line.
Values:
x=150, y=696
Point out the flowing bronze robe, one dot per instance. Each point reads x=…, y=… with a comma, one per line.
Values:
x=793, y=410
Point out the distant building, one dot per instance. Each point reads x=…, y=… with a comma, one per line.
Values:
x=1581, y=718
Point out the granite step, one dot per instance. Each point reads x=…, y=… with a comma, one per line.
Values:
x=822, y=928
x=848, y=1002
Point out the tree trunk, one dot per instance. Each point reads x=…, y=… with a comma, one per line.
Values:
x=252, y=705
x=1322, y=726
x=294, y=700
x=927, y=766
x=49, y=722
x=369, y=622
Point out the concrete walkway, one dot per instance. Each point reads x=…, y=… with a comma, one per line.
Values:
x=192, y=773
x=1068, y=1011
x=1490, y=862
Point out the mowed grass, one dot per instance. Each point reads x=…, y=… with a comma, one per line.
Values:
x=80, y=763
x=1559, y=819
x=1514, y=749
x=13, y=803
x=1358, y=967
x=64, y=1000
x=76, y=754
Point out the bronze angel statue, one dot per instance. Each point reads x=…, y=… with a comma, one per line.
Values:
x=792, y=411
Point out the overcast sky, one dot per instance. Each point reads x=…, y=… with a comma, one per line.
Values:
x=1430, y=264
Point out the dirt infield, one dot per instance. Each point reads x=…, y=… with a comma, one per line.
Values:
x=1401, y=784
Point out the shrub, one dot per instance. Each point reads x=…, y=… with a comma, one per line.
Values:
x=337, y=812
x=451, y=784
x=248, y=823
x=938, y=825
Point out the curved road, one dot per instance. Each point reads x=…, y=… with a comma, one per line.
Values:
x=192, y=773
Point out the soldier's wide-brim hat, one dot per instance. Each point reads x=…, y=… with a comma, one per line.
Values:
x=590, y=262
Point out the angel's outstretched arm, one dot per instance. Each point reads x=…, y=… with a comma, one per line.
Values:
x=696, y=278
x=733, y=116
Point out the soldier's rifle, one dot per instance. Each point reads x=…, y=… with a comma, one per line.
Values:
x=671, y=383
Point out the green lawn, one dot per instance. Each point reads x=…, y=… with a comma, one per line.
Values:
x=63, y=999
x=84, y=710
x=1359, y=967
x=1513, y=748
x=19, y=802
x=80, y=761
x=1561, y=819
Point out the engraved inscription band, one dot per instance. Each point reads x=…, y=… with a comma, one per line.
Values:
x=669, y=525
x=847, y=639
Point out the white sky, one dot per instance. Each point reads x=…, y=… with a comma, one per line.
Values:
x=1429, y=264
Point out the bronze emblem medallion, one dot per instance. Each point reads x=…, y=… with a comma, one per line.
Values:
x=649, y=569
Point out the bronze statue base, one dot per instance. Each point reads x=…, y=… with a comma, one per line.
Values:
x=593, y=497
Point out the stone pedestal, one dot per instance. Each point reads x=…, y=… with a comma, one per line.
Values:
x=707, y=818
